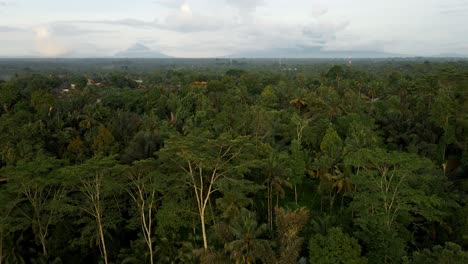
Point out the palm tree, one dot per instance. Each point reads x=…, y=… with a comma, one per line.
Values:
x=276, y=180
x=289, y=224
x=248, y=247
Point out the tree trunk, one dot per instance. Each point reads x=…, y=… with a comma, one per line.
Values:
x=270, y=206
x=202, y=219
x=277, y=200
x=151, y=257
x=332, y=200
x=295, y=193
x=1, y=250
x=103, y=242
x=44, y=248
x=321, y=203
x=147, y=231
x=150, y=245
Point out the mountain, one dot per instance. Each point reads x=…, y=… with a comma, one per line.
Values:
x=312, y=52
x=140, y=51
x=451, y=55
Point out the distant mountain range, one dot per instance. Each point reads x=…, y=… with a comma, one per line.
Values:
x=451, y=55
x=312, y=52
x=140, y=51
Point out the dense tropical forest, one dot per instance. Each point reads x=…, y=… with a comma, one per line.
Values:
x=238, y=161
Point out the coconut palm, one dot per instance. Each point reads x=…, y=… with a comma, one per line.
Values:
x=248, y=247
x=277, y=178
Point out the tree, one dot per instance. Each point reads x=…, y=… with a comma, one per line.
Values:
x=92, y=190
x=335, y=75
x=450, y=253
x=247, y=245
x=103, y=141
x=204, y=162
x=392, y=189
x=335, y=247
x=442, y=114
x=269, y=98
x=97, y=189
x=289, y=224
x=298, y=165
x=9, y=94
x=77, y=148
x=276, y=179
x=144, y=193
x=40, y=194
x=43, y=102
x=6, y=225
x=143, y=145
x=326, y=164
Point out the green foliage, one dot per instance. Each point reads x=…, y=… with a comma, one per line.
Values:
x=393, y=190
x=269, y=98
x=289, y=224
x=335, y=247
x=247, y=246
x=43, y=102
x=297, y=162
x=103, y=141
x=165, y=170
x=451, y=253
x=8, y=96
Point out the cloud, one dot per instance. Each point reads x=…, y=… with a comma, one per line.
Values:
x=2, y=3
x=322, y=32
x=47, y=45
x=11, y=29
x=169, y=3
x=454, y=7
x=354, y=43
x=86, y=50
x=183, y=20
x=128, y=22
x=66, y=29
x=319, y=9
x=454, y=11
x=186, y=21
x=245, y=8
x=246, y=4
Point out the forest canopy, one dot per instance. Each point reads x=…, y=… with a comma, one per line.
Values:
x=244, y=162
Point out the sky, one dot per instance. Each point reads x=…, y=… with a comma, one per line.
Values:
x=216, y=28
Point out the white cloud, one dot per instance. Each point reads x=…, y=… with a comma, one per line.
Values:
x=215, y=28
x=11, y=29
x=181, y=20
x=186, y=21
x=245, y=9
x=47, y=45
x=185, y=9
x=323, y=31
x=246, y=4
x=169, y=3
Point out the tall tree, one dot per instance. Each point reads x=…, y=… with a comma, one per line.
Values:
x=144, y=193
x=40, y=193
x=203, y=162
x=392, y=190
x=93, y=181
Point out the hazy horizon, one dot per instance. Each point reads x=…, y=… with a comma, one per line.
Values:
x=233, y=28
